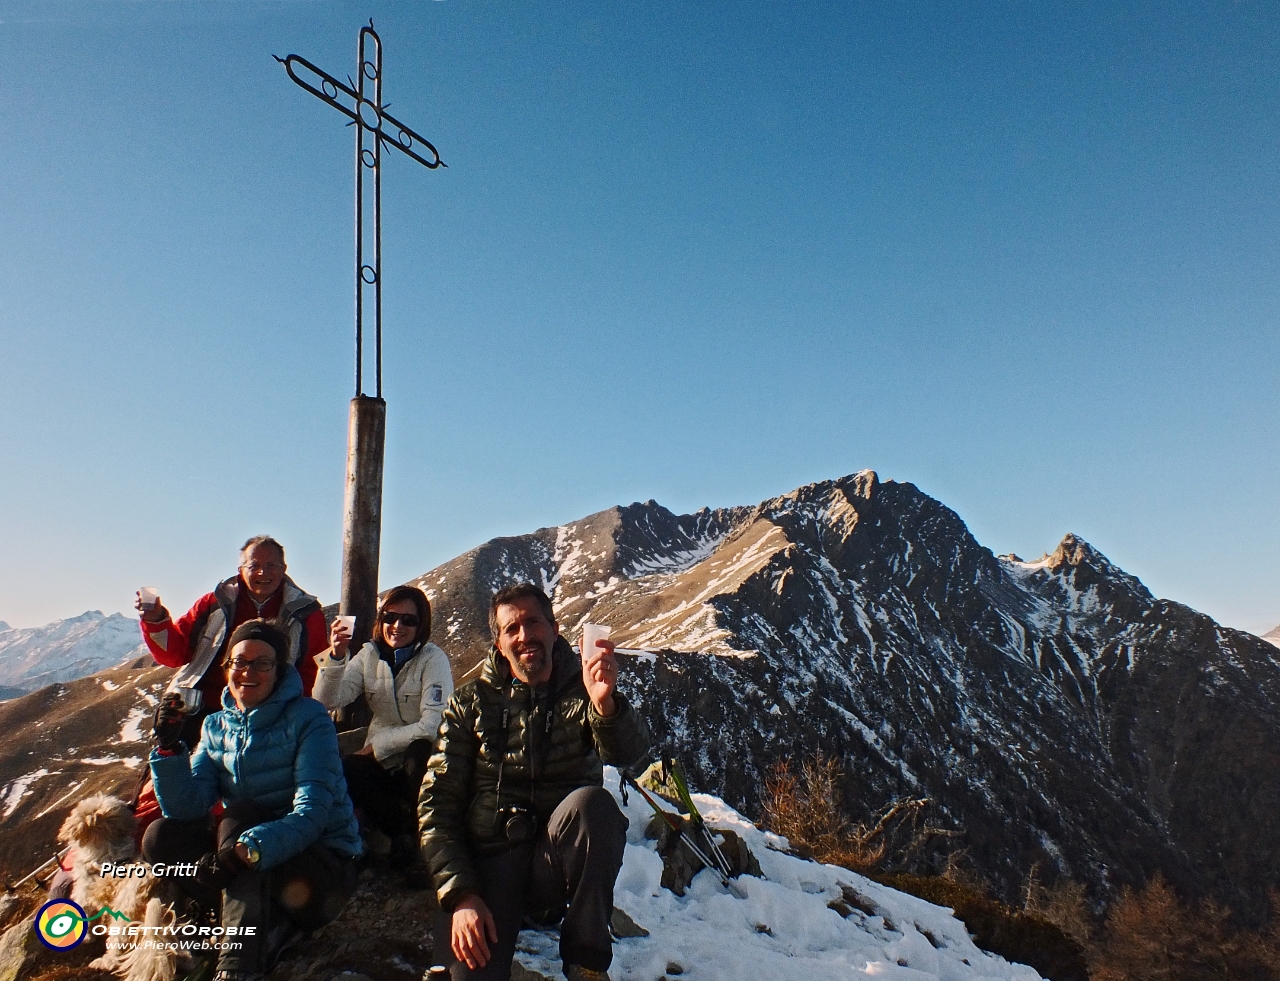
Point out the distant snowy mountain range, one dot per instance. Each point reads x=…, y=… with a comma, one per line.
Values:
x=64, y=650
x=1273, y=636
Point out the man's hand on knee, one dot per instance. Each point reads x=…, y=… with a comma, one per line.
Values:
x=473, y=931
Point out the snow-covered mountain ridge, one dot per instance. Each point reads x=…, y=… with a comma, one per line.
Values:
x=1055, y=710
x=33, y=657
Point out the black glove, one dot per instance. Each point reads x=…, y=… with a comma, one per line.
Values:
x=167, y=727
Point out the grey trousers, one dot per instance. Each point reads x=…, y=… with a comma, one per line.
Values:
x=569, y=869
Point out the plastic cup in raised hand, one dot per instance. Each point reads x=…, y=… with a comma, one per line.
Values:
x=349, y=621
x=591, y=632
x=191, y=698
x=149, y=596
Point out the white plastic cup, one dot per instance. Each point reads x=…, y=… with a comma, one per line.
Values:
x=191, y=698
x=149, y=596
x=349, y=621
x=591, y=632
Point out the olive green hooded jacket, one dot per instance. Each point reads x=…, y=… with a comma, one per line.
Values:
x=556, y=742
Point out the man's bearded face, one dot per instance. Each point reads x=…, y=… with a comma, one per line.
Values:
x=525, y=638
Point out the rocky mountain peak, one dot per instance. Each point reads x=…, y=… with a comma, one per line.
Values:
x=864, y=483
x=1081, y=568
x=861, y=484
x=1075, y=551
x=90, y=616
x=860, y=618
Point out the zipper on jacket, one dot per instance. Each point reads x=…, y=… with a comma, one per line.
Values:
x=543, y=747
x=237, y=759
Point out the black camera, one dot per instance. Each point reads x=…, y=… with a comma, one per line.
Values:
x=518, y=823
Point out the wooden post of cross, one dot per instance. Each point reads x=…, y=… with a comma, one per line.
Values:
x=361, y=102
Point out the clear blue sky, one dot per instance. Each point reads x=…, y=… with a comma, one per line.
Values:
x=1022, y=255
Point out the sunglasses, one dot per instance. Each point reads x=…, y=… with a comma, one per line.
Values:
x=404, y=619
x=259, y=664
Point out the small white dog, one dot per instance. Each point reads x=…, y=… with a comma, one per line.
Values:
x=100, y=830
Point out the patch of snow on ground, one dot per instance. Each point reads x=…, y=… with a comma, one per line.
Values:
x=566, y=557
x=12, y=793
x=130, y=761
x=1026, y=568
x=782, y=930
x=677, y=561
x=132, y=731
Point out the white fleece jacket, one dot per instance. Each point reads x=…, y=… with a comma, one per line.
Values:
x=405, y=708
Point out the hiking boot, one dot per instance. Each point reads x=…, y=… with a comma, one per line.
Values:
x=377, y=848
x=576, y=972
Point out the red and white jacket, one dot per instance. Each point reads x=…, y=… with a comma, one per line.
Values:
x=195, y=641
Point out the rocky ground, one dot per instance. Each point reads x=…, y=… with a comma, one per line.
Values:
x=384, y=934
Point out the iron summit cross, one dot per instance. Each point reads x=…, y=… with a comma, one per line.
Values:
x=361, y=102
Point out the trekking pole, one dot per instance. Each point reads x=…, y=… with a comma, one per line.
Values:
x=733, y=888
x=682, y=789
x=57, y=857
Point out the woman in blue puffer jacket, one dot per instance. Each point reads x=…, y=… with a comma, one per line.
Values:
x=284, y=848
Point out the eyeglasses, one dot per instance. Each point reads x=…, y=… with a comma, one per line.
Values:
x=404, y=619
x=259, y=664
x=262, y=567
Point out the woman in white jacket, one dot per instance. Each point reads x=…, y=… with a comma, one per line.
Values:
x=407, y=682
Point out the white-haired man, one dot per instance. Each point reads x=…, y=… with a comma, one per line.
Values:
x=260, y=590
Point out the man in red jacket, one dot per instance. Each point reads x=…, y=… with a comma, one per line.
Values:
x=194, y=642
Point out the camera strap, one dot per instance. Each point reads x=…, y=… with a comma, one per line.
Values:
x=502, y=740
x=502, y=747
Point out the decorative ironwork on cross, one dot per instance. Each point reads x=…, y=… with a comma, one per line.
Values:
x=361, y=102
x=371, y=119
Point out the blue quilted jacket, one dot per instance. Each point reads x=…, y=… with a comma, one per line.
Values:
x=282, y=754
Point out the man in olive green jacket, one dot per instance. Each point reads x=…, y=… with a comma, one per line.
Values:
x=513, y=815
